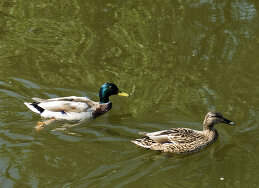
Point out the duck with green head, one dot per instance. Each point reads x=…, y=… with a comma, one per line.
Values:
x=74, y=108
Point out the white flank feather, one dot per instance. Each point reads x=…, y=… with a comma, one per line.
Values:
x=67, y=116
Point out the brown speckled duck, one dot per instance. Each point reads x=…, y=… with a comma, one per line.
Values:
x=74, y=108
x=184, y=140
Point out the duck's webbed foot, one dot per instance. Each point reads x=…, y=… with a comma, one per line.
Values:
x=41, y=125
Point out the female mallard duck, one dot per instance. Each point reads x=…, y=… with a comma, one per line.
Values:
x=184, y=140
x=74, y=108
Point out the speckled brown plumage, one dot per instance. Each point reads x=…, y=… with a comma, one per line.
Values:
x=184, y=140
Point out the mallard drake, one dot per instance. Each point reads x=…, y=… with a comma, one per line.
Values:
x=184, y=140
x=74, y=108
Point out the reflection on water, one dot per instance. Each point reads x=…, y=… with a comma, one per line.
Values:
x=177, y=59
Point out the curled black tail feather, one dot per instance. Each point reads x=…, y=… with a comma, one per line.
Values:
x=35, y=105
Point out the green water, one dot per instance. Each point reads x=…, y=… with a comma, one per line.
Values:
x=178, y=60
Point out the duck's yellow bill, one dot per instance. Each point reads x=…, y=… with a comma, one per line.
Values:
x=123, y=94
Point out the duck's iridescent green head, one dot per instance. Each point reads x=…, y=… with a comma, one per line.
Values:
x=109, y=89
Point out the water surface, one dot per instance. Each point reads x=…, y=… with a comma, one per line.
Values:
x=177, y=59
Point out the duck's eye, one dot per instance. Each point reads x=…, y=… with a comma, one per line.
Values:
x=110, y=87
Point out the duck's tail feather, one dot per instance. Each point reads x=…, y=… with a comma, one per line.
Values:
x=38, y=99
x=34, y=107
x=139, y=142
x=143, y=133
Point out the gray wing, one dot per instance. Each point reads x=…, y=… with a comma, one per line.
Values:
x=67, y=104
x=176, y=135
x=71, y=99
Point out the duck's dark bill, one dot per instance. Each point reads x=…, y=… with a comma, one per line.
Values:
x=228, y=122
x=123, y=94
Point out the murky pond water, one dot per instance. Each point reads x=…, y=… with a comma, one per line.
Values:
x=177, y=59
